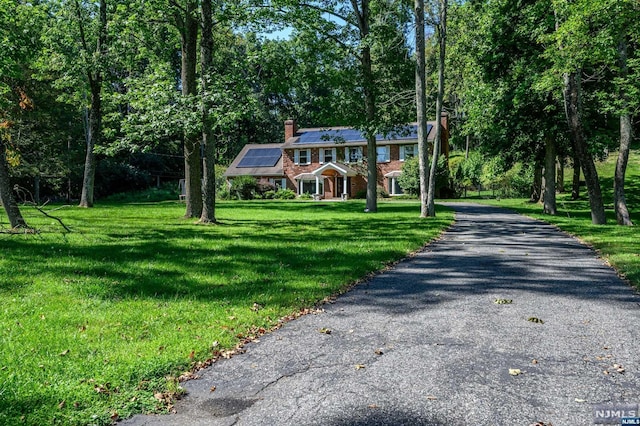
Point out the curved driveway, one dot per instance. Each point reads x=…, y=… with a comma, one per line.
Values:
x=426, y=343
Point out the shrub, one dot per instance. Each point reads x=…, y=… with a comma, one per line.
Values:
x=285, y=194
x=382, y=193
x=305, y=196
x=243, y=187
x=409, y=180
x=361, y=195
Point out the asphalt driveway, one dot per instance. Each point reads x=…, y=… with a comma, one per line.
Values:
x=503, y=321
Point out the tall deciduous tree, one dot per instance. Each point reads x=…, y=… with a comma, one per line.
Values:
x=421, y=106
x=442, y=43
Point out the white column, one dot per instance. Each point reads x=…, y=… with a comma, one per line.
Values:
x=317, y=184
x=393, y=186
x=344, y=184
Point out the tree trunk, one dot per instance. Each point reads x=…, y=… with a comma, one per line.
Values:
x=575, y=182
x=626, y=135
x=572, y=100
x=362, y=14
x=209, y=176
x=6, y=192
x=421, y=108
x=536, y=187
x=549, y=199
x=560, y=174
x=192, y=157
x=442, y=40
x=94, y=128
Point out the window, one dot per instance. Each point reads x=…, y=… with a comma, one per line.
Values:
x=408, y=151
x=302, y=156
x=279, y=183
x=382, y=154
x=353, y=154
x=327, y=155
x=309, y=186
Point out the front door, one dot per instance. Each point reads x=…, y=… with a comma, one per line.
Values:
x=339, y=186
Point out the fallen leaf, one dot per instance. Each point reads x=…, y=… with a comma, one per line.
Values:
x=536, y=320
x=192, y=354
x=431, y=397
x=605, y=372
x=619, y=368
x=324, y=330
x=42, y=316
x=580, y=400
x=114, y=416
x=232, y=318
x=62, y=404
x=359, y=366
x=503, y=301
x=534, y=361
x=373, y=406
x=256, y=307
x=212, y=389
x=63, y=353
x=378, y=352
x=515, y=371
x=159, y=396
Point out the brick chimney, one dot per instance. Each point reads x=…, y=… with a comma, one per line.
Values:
x=290, y=129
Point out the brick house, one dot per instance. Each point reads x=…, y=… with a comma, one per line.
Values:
x=331, y=162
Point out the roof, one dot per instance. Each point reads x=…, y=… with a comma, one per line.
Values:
x=257, y=160
x=315, y=137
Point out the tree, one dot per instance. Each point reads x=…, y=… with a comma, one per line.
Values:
x=442, y=41
x=421, y=107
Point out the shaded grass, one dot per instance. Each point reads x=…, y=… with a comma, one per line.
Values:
x=93, y=323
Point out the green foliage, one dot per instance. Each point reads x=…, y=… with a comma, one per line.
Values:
x=284, y=194
x=515, y=181
x=244, y=188
x=166, y=192
x=409, y=180
x=97, y=321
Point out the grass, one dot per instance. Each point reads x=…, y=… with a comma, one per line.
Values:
x=619, y=245
x=97, y=324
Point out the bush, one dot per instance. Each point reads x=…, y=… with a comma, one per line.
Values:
x=243, y=188
x=361, y=195
x=409, y=180
x=305, y=196
x=285, y=194
x=382, y=193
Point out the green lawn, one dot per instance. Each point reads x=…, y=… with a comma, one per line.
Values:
x=94, y=323
x=619, y=245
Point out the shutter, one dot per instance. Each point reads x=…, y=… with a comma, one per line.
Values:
x=296, y=157
x=401, y=152
x=321, y=155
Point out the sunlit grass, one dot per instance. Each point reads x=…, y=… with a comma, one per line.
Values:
x=93, y=323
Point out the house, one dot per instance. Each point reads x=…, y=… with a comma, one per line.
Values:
x=331, y=162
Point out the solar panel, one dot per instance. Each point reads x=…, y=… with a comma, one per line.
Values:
x=260, y=157
x=354, y=135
